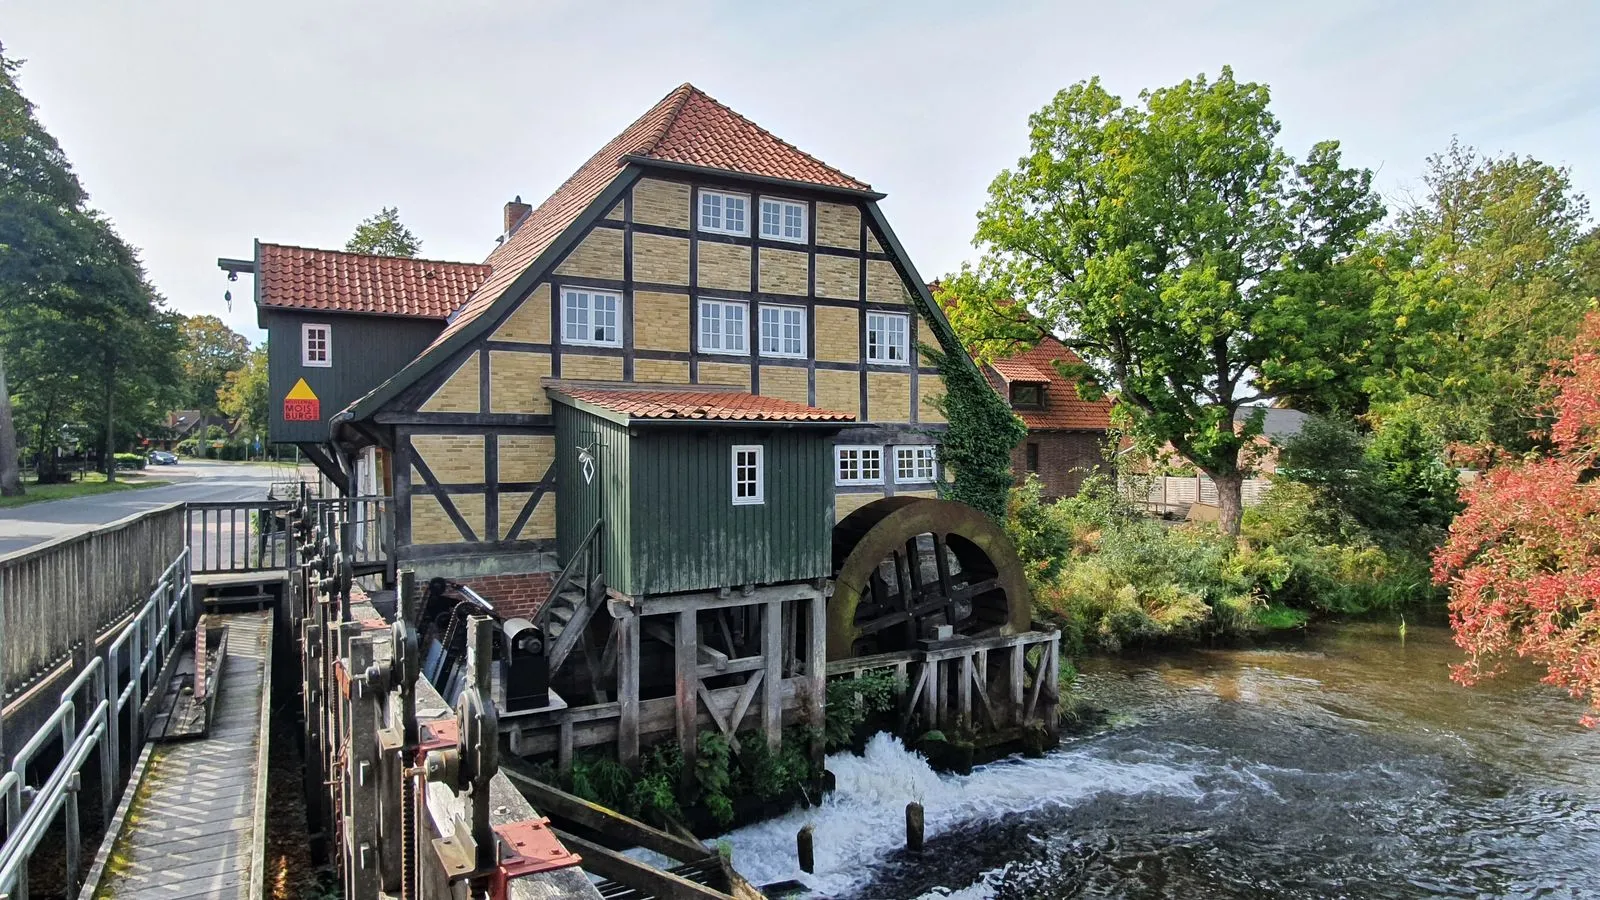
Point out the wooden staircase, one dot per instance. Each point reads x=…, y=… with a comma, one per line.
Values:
x=578, y=591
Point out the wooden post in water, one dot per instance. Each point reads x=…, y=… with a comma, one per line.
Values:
x=914, y=827
x=803, y=844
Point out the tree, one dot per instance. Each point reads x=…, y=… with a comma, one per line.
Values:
x=383, y=235
x=1523, y=560
x=1487, y=278
x=211, y=351
x=10, y=473
x=243, y=396
x=1191, y=263
x=83, y=332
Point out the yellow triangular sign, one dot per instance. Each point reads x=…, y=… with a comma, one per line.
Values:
x=301, y=391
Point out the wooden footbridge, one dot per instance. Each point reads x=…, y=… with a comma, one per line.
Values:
x=139, y=659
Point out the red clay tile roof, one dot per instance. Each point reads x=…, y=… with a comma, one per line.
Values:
x=686, y=126
x=1015, y=370
x=336, y=281
x=703, y=132
x=1063, y=410
x=719, y=406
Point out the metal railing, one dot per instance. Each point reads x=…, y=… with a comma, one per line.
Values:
x=371, y=526
x=249, y=536
x=87, y=720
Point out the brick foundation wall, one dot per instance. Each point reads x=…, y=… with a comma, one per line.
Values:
x=513, y=595
x=1066, y=458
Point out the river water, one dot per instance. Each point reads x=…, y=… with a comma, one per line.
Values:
x=1348, y=765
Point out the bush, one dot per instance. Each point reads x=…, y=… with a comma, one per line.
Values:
x=1112, y=579
x=131, y=460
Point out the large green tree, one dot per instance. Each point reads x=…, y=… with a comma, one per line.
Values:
x=1486, y=277
x=211, y=351
x=243, y=397
x=1192, y=263
x=384, y=235
x=83, y=332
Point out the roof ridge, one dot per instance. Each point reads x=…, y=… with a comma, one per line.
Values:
x=685, y=91
x=753, y=124
x=412, y=259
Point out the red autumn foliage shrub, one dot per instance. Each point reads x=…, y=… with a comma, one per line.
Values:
x=1522, y=562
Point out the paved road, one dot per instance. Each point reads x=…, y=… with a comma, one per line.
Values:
x=25, y=526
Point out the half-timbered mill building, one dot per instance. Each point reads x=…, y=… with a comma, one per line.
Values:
x=655, y=424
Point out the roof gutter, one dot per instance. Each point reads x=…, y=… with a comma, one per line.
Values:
x=707, y=171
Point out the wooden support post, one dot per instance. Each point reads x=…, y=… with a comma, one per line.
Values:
x=772, y=689
x=914, y=827
x=1019, y=653
x=686, y=644
x=806, y=850
x=964, y=715
x=627, y=628
x=817, y=672
x=933, y=700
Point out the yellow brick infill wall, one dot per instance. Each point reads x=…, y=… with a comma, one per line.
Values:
x=524, y=458
x=529, y=323
x=838, y=333
x=657, y=202
x=661, y=321
x=459, y=393
x=790, y=383
x=659, y=259
x=514, y=382
x=723, y=267
x=452, y=458
x=598, y=255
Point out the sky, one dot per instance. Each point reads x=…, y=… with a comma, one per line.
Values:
x=201, y=126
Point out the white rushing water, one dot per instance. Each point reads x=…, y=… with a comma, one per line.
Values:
x=862, y=822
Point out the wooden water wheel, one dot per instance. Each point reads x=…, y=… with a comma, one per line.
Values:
x=904, y=566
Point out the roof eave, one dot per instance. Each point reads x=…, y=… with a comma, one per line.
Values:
x=311, y=310
x=787, y=183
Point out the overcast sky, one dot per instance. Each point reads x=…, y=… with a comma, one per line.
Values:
x=200, y=126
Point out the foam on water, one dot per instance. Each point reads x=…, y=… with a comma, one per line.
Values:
x=862, y=822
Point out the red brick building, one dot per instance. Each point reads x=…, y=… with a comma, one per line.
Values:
x=1066, y=435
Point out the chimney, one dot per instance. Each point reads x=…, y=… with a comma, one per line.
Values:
x=516, y=211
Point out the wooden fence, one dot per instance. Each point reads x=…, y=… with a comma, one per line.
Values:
x=56, y=597
x=1175, y=494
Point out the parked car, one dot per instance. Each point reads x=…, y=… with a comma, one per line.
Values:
x=163, y=458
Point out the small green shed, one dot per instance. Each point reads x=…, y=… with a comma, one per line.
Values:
x=694, y=489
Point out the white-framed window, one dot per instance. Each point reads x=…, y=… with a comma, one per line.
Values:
x=316, y=345
x=913, y=465
x=783, y=331
x=887, y=338
x=725, y=213
x=858, y=465
x=783, y=220
x=723, y=327
x=748, y=475
x=590, y=317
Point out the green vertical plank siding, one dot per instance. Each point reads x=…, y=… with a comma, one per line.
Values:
x=689, y=535
x=365, y=350
x=579, y=504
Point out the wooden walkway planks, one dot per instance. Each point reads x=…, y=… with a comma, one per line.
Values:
x=194, y=825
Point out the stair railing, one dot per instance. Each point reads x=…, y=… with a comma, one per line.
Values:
x=586, y=563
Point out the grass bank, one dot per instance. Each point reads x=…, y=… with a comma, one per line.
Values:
x=92, y=483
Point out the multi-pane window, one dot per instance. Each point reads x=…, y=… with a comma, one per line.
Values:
x=316, y=345
x=913, y=464
x=1027, y=396
x=783, y=220
x=589, y=317
x=783, y=331
x=722, y=327
x=858, y=465
x=886, y=338
x=747, y=474
x=723, y=212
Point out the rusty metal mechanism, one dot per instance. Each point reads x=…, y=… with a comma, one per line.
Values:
x=913, y=569
x=471, y=850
